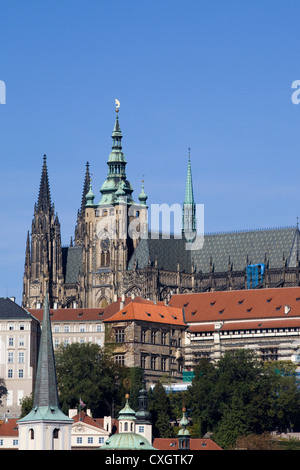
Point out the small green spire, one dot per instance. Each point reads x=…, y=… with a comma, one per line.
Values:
x=90, y=196
x=143, y=197
x=189, y=207
x=189, y=193
x=184, y=434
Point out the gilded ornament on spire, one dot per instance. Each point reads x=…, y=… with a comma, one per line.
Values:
x=117, y=105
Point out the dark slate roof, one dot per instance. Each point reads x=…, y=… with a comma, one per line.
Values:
x=9, y=310
x=242, y=248
x=168, y=252
x=72, y=261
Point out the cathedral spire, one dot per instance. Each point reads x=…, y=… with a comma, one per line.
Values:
x=189, y=193
x=86, y=187
x=44, y=198
x=116, y=170
x=189, y=207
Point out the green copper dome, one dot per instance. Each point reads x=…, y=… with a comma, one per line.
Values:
x=127, y=441
x=127, y=412
x=90, y=196
x=143, y=197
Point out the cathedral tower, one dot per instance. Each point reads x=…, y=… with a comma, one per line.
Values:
x=43, y=258
x=113, y=227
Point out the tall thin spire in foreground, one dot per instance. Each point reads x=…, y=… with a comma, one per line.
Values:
x=48, y=427
x=45, y=394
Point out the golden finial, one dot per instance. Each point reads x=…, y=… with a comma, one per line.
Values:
x=117, y=105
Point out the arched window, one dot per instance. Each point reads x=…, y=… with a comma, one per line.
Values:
x=55, y=433
x=31, y=432
x=126, y=426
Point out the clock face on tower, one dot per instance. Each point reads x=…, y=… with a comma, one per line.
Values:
x=105, y=244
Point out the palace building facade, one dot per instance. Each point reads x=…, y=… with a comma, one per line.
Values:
x=114, y=253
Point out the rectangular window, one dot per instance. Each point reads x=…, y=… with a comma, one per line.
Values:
x=101, y=440
x=90, y=440
x=10, y=373
x=163, y=338
x=21, y=357
x=153, y=362
x=79, y=440
x=143, y=336
x=143, y=361
x=67, y=329
x=163, y=363
x=21, y=341
x=21, y=373
x=56, y=329
x=141, y=429
x=120, y=335
x=120, y=359
x=10, y=342
x=10, y=358
x=153, y=337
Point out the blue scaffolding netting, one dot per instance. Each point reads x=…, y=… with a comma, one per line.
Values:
x=255, y=275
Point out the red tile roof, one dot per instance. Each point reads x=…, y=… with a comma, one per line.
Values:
x=239, y=305
x=71, y=314
x=9, y=428
x=86, y=314
x=195, y=444
x=84, y=418
x=148, y=311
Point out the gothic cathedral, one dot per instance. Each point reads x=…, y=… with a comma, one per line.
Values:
x=115, y=254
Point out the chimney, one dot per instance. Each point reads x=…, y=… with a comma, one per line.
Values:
x=122, y=303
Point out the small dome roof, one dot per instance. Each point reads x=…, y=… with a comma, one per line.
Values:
x=127, y=441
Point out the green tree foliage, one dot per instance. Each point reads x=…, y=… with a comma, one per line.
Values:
x=160, y=409
x=85, y=371
x=239, y=395
x=26, y=405
x=3, y=389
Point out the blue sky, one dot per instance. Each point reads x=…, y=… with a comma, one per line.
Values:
x=211, y=75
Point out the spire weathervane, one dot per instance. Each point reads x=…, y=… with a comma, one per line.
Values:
x=117, y=105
